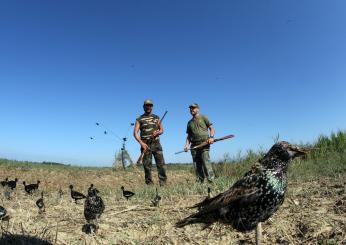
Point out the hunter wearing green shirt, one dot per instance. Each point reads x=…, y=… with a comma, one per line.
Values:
x=150, y=128
x=197, y=133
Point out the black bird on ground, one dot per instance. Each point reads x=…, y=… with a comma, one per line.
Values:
x=3, y=212
x=4, y=182
x=156, y=200
x=89, y=228
x=12, y=183
x=127, y=194
x=201, y=204
x=76, y=195
x=93, y=206
x=40, y=204
x=31, y=187
x=253, y=198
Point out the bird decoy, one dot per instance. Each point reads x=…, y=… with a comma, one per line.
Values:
x=31, y=187
x=89, y=228
x=76, y=195
x=60, y=193
x=40, y=204
x=3, y=212
x=4, y=182
x=93, y=206
x=12, y=183
x=252, y=199
x=156, y=200
x=7, y=194
x=127, y=194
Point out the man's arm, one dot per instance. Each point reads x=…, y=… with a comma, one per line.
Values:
x=187, y=143
x=138, y=138
x=159, y=131
x=212, y=133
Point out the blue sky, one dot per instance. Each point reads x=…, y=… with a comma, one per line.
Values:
x=257, y=69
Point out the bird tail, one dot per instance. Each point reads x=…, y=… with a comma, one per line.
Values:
x=206, y=218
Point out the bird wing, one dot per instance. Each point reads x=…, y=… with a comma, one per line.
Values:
x=244, y=191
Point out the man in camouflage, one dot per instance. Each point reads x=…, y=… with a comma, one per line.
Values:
x=150, y=129
x=197, y=133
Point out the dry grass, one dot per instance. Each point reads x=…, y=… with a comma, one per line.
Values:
x=314, y=212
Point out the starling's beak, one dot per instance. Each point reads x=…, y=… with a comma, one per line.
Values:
x=302, y=151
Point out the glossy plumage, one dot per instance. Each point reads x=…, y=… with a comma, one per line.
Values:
x=127, y=194
x=40, y=204
x=31, y=187
x=76, y=195
x=12, y=183
x=3, y=212
x=4, y=182
x=253, y=198
x=93, y=205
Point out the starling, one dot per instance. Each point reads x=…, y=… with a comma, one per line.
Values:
x=31, y=187
x=156, y=200
x=76, y=195
x=12, y=183
x=93, y=205
x=127, y=194
x=255, y=197
x=4, y=182
x=40, y=204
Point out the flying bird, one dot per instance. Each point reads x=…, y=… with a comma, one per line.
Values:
x=40, y=204
x=253, y=198
x=127, y=194
x=31, y=187
x=156, y=200
x=105, y=132
x=91, y=138
x=76, y=195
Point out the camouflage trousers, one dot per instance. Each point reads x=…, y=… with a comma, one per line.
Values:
x=156, y=151
x=201, y=163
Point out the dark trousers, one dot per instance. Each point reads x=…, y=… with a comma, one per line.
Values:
x=201, y=162
x=156, y=151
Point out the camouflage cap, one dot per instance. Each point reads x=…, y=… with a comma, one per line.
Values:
x=194, y=105
x=148, y=102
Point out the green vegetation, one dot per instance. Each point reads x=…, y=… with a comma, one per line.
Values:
x=328, y=159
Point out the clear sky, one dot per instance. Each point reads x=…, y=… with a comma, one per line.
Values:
x=257, y=69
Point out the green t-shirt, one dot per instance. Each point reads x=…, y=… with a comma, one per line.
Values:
x=148, y=124
x=197, y=129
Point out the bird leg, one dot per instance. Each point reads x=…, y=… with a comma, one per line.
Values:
x=258, y=233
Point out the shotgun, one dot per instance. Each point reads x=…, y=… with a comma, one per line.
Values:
x=140, y=159
x=206, y=143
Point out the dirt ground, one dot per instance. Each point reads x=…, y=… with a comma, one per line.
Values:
x=314, y=212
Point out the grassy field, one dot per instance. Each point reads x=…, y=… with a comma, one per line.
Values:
x=314, y=211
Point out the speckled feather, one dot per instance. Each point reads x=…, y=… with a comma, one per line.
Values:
x=253, y=198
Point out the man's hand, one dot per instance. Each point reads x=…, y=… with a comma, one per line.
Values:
x=155, y=133
x=210, y=141
x=144, y=146
x=186, y=148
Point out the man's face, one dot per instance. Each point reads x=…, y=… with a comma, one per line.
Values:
x=194, y=111
x=148, y=108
